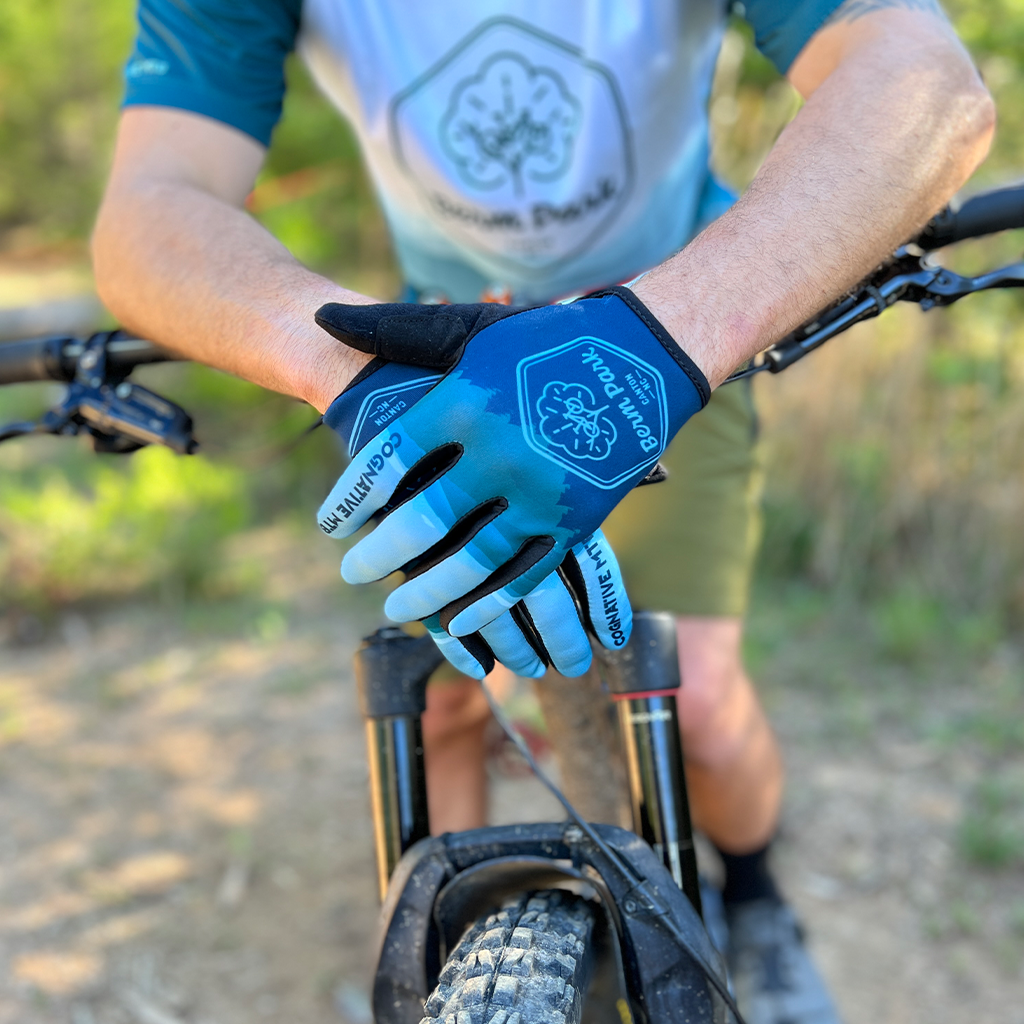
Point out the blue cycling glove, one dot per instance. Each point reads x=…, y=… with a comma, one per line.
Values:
x=543, y=629
x=547, y=418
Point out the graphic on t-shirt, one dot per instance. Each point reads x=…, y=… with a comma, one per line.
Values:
x=571, y=419
x=511, y=121
x=518, y=144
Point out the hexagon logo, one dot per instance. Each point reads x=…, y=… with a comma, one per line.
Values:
x=519, y=145
x=594, y=409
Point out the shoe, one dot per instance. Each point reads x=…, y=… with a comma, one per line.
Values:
x=772, y=975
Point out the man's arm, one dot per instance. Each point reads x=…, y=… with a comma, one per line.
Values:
x=895, y=121
x=179, y=261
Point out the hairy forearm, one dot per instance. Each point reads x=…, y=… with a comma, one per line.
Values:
x=190, y=271
x=878, y=148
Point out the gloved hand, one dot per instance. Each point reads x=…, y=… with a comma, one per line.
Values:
x=545, y=628
x=547, y=418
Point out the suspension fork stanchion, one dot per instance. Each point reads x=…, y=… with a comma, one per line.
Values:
x=398, y=791
x=643, y=679
x=391, y=670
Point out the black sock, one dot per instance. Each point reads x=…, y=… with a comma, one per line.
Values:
x=747, y=876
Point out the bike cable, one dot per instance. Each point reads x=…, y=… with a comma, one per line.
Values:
x=639, y=884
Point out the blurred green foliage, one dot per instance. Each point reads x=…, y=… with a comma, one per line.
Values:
x=155, y=520
x=59, y=89
x=992, y=831
x=75, y=525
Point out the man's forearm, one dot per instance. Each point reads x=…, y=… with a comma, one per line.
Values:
x=878, y=148
x=183, y=266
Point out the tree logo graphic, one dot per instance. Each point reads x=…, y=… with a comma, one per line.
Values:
x=571, y=419
x=511, y=121
x=605, y=431
x=517, y=147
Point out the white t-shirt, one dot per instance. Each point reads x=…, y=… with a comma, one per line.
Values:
x=556, y=150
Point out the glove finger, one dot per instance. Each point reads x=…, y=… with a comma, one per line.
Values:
x=593, y=574
x=503, y=588
x=470, y=655
x=512, y=648
x=369, y=482
x=413, y=530
x=402, y=332
x=501, y=640
x=445, y=580
x=554, y=616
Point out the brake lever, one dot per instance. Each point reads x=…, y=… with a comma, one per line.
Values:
x=908, y=277
x=121, y=416
x=948, y=287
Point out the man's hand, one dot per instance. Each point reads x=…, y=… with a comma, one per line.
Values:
x=483, y=486
x=179, y=261
x=895, y=121
x=550, y=626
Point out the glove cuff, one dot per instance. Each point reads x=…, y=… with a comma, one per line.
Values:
x=379, y=393
x=654, y=325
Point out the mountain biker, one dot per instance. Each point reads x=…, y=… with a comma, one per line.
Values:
x=540, y=150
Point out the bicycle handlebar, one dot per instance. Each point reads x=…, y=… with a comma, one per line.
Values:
x=984, y=214
x=120, y=415
x=56, y=358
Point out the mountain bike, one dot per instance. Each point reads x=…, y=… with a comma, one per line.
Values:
x=549, y=923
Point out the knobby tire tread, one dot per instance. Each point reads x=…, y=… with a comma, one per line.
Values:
x=527, y=963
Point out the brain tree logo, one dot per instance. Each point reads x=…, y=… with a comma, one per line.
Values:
x=571, y=419
x=517, y=145
x=604, y=431
x=511, y=120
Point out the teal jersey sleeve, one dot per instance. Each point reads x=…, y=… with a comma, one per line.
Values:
x=782, y=27
x=221, y=58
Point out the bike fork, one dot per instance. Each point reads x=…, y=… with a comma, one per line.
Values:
x=643, y=678
x=392, y=669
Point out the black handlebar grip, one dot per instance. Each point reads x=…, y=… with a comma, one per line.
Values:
x=56, y=358
x=34, y=359
x=980, y=215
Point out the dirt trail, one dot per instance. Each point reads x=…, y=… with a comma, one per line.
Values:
x=184, y=833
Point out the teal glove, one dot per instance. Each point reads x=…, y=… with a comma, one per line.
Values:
x=545, y=420
x=549, y=626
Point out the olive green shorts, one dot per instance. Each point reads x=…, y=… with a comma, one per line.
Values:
x=688, y=545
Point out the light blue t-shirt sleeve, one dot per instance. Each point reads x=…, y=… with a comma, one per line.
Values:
x=221, y=58
x=782, y=27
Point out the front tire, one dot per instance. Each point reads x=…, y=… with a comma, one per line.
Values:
x=527, y=963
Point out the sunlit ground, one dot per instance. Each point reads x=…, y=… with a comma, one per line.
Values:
x=184, y=826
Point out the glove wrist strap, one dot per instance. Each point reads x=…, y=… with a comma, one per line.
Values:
x=671, y=346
